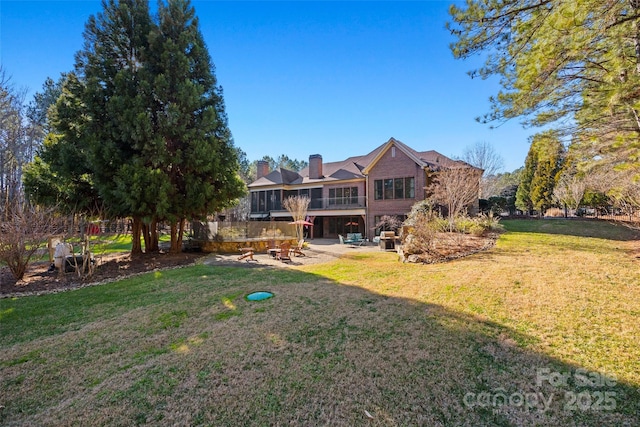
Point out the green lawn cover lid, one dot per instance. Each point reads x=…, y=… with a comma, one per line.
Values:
x=259, y=296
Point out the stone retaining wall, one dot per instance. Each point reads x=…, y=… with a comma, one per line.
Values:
x=227, y=247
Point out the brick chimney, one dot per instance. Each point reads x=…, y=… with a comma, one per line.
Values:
x=315, y=166
x=263, y=168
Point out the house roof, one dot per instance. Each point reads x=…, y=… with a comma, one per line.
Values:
x=357, y=167
x=278, y=176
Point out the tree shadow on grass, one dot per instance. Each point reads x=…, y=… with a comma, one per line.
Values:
x=196, y=352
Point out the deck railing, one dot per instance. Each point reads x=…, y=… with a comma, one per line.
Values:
x=324, y=203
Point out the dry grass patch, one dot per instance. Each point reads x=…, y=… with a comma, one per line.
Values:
x=363, y=340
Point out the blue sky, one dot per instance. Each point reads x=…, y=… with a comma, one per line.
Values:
x=300, y=78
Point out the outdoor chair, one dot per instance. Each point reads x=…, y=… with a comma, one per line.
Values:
x=297, y=251
x=283, y=255
x=272, y=248
x=246, y=253
x=352, y=239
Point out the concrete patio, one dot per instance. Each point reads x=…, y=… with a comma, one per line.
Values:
x=317, y=251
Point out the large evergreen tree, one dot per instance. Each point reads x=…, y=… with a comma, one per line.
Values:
x=61, y=175
x=111, y=66
x=149, y=119
x=191, y=141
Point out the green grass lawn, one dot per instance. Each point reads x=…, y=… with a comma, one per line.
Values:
x=113, y=243
x=541, y=330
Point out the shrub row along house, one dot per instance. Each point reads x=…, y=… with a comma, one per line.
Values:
x=351, y=196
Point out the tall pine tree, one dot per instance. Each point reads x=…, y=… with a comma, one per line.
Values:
x=573, y=66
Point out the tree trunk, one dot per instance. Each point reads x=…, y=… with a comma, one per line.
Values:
x=145, y=236
x=154, y=244
x=136, y=229
x=174, y=236
x=180, y=234
x=177, y=230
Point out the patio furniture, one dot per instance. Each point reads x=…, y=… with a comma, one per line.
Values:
x=273, y=252
x=352, y=239
x=272, y=248
x=246, y=253
x=297, y=251
x=356, y=238
x=283, y=254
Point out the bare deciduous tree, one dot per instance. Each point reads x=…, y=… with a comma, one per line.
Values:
x=483, y=156
x=626, y=196
x=241, y=211
x=389, y=222
x=456, y=189
x=19, y=139
x=11, y=138
x=297, y=207
x=621, y=186
x=25, y=231
x=570, y=190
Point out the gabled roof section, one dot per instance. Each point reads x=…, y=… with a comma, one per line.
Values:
x=426, y=159
x=278, y=177
x=336, y=171
x=375, y=155
x=437, y=161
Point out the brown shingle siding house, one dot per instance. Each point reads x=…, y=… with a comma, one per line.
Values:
x=350, y=195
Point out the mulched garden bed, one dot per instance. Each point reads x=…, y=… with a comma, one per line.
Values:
x=450, y=246
x=38, y=280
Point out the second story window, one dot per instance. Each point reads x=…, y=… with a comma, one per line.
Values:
x=394, y=188
x=265, y=201
x=343, y=196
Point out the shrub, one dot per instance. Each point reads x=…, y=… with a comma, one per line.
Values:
x=477, y=225
x=476, y=229
x=25, y=231
x=440, y=224
x=421, y=232
x=554, y=212
x=423, y=224
x=490, y=223
x=463, y=224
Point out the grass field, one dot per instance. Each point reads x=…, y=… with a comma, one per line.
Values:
x=541, y=330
